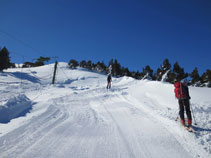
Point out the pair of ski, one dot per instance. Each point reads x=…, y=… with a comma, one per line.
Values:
x=189, y=129
x=186, y=127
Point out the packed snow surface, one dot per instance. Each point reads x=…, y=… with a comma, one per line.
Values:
x=79, y=118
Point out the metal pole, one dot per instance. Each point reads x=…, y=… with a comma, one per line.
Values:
x=193, y=114
x=54, y=74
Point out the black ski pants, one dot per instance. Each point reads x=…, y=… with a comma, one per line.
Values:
x=109, y=85
x=184, y=104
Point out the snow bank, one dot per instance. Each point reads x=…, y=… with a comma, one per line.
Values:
x=15, y=107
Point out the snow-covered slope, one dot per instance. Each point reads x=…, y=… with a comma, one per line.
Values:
x=78, y=117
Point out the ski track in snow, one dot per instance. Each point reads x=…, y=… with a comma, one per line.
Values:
x=75, y=131
x=86, y=121
x=89, y=121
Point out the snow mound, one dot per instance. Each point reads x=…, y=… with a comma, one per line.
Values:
x=15, y=107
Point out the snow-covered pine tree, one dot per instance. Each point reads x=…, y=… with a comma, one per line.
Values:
x=116, y=68
x=148, y=73
x=100, y=67
x=109, y=69
x=165, y=76
x=162, y=70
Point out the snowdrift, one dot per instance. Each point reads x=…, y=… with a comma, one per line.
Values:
x=15, y=107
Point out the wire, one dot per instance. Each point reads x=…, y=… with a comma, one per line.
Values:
x=20, y=55
x=63, y=71
x=37, y=76
x=29, y=67
x=29, y=46
x=21, y=41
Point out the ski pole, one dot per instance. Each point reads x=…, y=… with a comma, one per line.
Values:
x=193, y=114
x=177, y=118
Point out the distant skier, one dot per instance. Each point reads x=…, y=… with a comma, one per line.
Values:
x=182, y=94
x=109, y=79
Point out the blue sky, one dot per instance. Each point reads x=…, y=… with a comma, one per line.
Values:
x=135, y=32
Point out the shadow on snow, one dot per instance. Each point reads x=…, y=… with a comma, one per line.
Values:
x=24, y=76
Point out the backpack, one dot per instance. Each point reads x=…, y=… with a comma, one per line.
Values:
x=179, y=90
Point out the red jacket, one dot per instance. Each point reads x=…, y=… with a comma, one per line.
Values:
x=179, y=90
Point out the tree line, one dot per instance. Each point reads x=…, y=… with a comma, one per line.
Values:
x=166, y=72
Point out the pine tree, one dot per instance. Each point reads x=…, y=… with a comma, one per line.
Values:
x=125, y=72
x=4, y=59
x=111, y=62
x=89, y=65
x=195, y=77
x=109, y=69
x=171, y=77
x=110, y=66
x=158, y=74
x=116, y=67
x=178, y=72
x=83, y=64
x=41, y=60
x=166, y=65
x=148, y=73
x=137, y=75
x=163, y=69
x=100, y=67
x=165, y=76
x=12, y=65
x=206, y=78
x=73, y=64
x=28, y=64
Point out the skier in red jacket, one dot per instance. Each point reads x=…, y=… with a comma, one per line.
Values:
x=182, y=94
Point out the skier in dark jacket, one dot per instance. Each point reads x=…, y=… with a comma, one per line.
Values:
x=182, y=94
x=109, y=81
